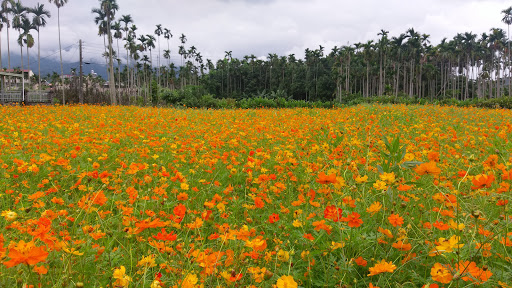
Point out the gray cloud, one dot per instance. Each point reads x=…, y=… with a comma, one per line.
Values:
x=267, y=26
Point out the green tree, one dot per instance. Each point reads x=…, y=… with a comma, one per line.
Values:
x=6, y=6
x=59, y=4
x=39, y=20
x=19, y=15
x=507, y=19
x=105, y=16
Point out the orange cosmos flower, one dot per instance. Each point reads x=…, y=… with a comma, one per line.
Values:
x=320, y=225
x=41, y=270
x=360, y=261
x=441, y=274
x=481, y=181
x=396, y=220
x=400, y=245
x=326, y=179
x=429, y=168
x=258, y=202
x=374, y=208
x=164, y=236
x=382, y=267
x=309, y=236
x=26, y=253
x=353, y=220
x=182, y=196
x=331, y=212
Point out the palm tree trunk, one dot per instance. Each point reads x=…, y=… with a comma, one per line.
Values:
x=61, y=68
x=39, y=61
x=111, y=64
x=8, y=47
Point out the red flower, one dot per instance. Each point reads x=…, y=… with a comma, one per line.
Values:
x=333, y=213
x=273, y=218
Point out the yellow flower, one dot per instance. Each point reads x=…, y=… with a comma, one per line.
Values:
x=336, y=245
x=387, y=177
x=122, y=280
x=361, y=179
x=147, y=261
x=71, y=250
x=456, y=226
x=283, y=256
x=297, y=223
x=9, y=215
x=190, y=281
x=286, y=282
x=380, y=185
x=447, y=245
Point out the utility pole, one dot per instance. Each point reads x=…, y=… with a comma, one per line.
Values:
x=81, y=93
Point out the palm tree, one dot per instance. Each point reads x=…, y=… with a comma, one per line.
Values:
x=507, y=19
x=3, y=21
x=126, y=19
x=168, y=35
x=6, y=9
x=108, y=9
x=118, y=35
x=19, y=15
x=39, y=20
x=59, y=4
x=26, y=26
x=158, y=32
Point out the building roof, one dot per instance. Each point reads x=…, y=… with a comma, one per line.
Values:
x=10, y=74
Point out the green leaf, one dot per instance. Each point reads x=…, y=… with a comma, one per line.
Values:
x=410, y=164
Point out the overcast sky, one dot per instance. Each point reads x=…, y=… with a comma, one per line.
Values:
x=260, y=27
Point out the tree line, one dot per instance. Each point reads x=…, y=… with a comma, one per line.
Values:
x=467, y=66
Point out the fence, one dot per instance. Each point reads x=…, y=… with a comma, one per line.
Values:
x=30, y=97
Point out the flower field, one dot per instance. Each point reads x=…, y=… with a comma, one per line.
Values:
x=366, y=196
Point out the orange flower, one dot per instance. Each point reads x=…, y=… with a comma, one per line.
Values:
x=481, y=181
x=400, y=245
x=326, y=179
x=41, y=270
x=382, y=267
x=26, y=253
x=273, y=218
x=320, y=225
x=353, y=220
x=396, y=220
x=441, y=274
x=374, y=208
x=258, y=202
x=331, y=212
x=360, y=261
x=309, y=236
x=182, y=196
x=429, y=168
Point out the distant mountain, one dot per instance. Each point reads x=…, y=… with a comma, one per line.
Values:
x=48, y=66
